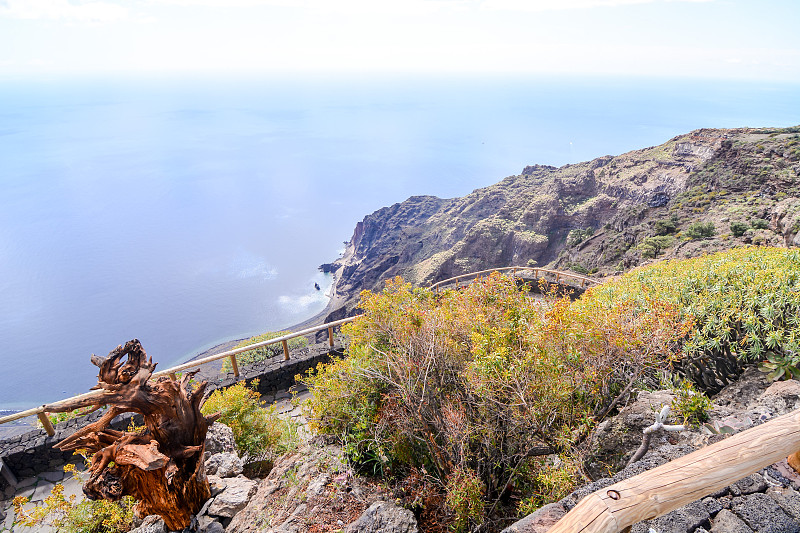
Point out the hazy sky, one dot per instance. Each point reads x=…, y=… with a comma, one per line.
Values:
x=737, y=39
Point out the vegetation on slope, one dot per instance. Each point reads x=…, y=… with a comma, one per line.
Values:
x=264, y=352
x=258, y=432
x=469, y=393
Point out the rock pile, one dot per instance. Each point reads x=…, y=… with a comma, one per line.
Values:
x=313, y=490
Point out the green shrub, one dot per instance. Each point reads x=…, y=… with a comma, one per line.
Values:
x=738, y=228
x=579, y=268
x=652, y=246
x=464, y=497
x=664, y=227
x=690, y=405
x=784, y=365
x=577, y=236
x=552, y=482
x=55, y=418
x=700, y=230
x=759, y=223
x=257, y=431
x=264, y=352
x=744, y=303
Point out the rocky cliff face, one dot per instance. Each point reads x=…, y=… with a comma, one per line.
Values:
x=597, y=217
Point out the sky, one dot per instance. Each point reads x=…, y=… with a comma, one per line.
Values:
x=718, y=39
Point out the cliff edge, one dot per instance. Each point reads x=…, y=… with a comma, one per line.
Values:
x=697, y=193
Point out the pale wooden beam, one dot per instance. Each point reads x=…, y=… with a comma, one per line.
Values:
x=684, y=480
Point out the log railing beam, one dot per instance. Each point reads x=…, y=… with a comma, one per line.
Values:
x=188, y=366
x=514, y=269
x=665, y=488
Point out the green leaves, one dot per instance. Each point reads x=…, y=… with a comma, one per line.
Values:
x=256, y=430
x=781, y=366
x=743, y=301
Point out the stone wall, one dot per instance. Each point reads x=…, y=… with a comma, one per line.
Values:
x=32, y=453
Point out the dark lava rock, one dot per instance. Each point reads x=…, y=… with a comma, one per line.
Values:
x=764, y=515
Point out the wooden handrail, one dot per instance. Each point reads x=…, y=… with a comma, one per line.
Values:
x=672, y=485
x=536, y=270
x=282, y=339
x=191, y=364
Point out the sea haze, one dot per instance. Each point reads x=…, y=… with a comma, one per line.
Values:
x=189, y=212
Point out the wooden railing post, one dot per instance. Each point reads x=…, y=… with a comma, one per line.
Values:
x=48, y=426
x=285, y=350
x=235, y=366
x=330, y=336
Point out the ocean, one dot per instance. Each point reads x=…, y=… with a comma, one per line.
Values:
x=186, y=212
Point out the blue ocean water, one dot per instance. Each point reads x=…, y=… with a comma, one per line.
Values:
x=187, y=212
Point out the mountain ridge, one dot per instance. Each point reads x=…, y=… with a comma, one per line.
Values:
x=596, y=217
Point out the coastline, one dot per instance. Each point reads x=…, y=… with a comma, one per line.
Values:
x=335, y=301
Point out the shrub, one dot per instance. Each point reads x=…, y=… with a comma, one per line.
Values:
x=738, y=228
x=55, y=418
x=577, y=236
x=257, y=431
x=86, y=516
x=264, y=352
x=652, y=246
x=480, y=380
x=700, y=230
x=744, y=303
x=464, y=497
x=692, y=406
x=577, y=267
x=784, y=365
x=759, y=223
x=552, y=482
x=664, y=227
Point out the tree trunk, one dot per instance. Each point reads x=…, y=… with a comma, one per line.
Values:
x=160, y=465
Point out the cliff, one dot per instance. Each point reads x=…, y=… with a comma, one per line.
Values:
x=699, y=192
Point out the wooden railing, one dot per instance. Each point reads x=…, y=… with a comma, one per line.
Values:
x=231, y=354
x=672, y=485
x=536, y=271
x=172, y=372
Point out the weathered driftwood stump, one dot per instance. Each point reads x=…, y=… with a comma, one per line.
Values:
x=162, y=465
